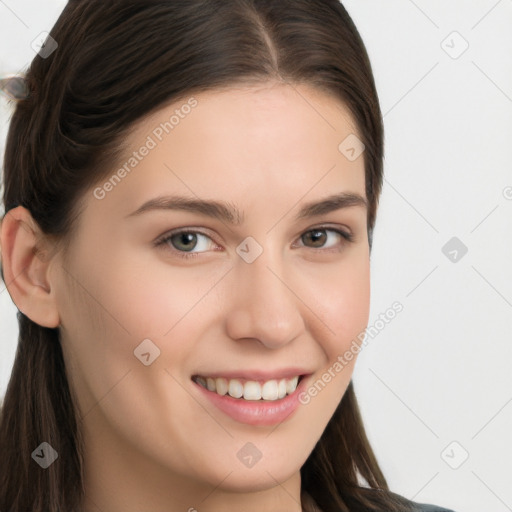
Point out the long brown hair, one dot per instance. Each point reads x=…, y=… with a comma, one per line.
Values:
x=116, y=62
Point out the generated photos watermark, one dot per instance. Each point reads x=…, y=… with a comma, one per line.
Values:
x=356, y=346
x=152, y=141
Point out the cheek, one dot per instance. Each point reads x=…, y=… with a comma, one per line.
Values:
x=159, y=299
x=343, y=305
x=133, y=298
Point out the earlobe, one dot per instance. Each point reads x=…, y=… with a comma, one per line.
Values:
x=26, y=262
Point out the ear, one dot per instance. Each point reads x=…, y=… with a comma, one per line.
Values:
x=26, y=260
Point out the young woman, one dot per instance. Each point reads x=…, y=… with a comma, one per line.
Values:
x=190, y=192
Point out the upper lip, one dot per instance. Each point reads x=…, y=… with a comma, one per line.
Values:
x=257, y=375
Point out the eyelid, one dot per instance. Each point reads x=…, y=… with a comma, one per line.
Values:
x=328, y=226
x=189, y=229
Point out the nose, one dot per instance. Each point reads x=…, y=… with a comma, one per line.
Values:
x=263, y=304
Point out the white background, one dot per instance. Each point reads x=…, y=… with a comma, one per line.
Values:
x=440, y=371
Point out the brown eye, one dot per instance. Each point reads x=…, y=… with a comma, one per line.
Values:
x=317, y=238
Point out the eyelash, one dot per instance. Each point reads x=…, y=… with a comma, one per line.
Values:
x=163, y=240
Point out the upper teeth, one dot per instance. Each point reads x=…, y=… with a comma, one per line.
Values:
x=250, y=390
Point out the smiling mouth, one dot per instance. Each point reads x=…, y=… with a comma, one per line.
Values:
x=251, y=390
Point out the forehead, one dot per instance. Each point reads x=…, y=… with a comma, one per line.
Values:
x=272, y=143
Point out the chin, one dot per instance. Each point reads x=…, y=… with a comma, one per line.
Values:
x=255, y=479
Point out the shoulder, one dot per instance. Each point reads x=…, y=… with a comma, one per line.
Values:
x=414, y=506
x=425, y=507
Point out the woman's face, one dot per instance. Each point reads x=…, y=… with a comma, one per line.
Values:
x=265, y=295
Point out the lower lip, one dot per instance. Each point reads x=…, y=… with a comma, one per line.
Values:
x=256, y=412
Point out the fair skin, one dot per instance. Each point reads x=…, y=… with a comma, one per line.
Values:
x=153, y=440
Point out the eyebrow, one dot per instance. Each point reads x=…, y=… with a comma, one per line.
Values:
x=228, y=212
